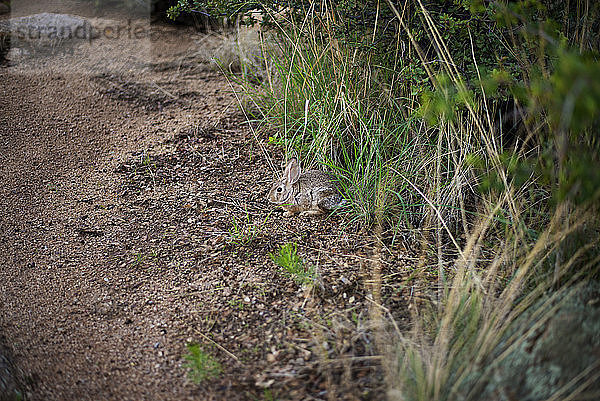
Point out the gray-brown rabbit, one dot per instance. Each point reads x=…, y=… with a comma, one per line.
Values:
x=311, y=192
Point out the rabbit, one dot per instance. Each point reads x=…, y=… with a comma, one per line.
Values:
x=312, y=192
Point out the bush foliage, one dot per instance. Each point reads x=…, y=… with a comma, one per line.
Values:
x=535, y=61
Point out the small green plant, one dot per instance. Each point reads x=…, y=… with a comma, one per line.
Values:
x=146, y=259
x=202, y=366
x=243, y=231
x=268, y=395
x=236, y=303
x=288, y=259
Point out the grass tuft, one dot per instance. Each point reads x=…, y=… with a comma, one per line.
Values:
x=288, y=259
x=201, y=365
x=244, y=231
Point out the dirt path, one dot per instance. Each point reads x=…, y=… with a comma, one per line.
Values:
x=119, y=198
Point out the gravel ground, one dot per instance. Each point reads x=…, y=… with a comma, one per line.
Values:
x=120, y=194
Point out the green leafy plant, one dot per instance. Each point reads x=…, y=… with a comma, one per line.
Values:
x=201, y=365
x=288, y=259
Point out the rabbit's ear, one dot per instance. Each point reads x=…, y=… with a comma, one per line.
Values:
x=292, y=171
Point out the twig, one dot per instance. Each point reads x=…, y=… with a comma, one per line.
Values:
x=220, y=347
x=172, y=96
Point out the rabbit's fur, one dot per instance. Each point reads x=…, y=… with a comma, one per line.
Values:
x=311, y=192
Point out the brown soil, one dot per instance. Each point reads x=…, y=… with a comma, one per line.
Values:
x=119, y=197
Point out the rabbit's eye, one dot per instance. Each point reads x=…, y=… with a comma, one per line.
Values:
x=279, y=189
